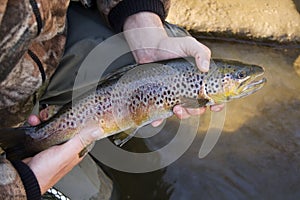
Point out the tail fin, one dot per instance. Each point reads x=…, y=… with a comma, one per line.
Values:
x=12, y=141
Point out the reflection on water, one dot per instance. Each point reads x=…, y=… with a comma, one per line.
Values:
x=258, y=153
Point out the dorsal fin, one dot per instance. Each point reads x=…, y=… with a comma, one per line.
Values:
x=116, y=74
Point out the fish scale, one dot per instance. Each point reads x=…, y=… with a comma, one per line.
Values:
x=140, y=94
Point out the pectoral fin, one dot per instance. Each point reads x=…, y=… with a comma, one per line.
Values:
x=193, y=103
x=124, y=137
x=86, y=149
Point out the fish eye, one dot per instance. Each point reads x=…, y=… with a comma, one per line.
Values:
x=242, y=75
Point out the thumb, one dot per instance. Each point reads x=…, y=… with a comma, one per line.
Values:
x=200, y=52
x=189, y=46
x=90, y=133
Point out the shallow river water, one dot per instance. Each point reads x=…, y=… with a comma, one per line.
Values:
x=258, y=153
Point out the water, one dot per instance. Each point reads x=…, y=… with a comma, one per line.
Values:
x=258, y=153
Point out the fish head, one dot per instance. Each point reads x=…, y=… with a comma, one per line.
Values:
x=232, y=80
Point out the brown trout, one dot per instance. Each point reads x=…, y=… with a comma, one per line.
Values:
x=138, y=95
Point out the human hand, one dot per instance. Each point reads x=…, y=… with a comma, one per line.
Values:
x=50, y=165
x=149, y=42
x=44, y=115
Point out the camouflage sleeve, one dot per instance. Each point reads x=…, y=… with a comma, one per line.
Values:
x=32, y=41
x=23, y=23
x=106, y=5
x=17, y=183
x=116, y=11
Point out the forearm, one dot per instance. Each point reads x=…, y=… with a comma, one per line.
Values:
x=30, y=180
x=48, y=173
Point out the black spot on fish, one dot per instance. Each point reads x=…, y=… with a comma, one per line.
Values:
x=137, y=97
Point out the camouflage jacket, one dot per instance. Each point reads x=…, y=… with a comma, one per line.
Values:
x=32, y=40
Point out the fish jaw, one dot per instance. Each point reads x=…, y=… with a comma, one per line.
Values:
x=237, y=80
x=251, y=88
x=250, y=85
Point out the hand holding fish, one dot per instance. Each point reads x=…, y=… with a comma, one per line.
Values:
x=49, y=169
x=149, y=42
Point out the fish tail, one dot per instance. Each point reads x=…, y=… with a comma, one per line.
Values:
x=12, y=141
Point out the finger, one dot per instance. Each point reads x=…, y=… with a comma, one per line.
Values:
x=33, y=120
x=157, y=122
x=197, y=111
x=90, y=133
x=200, y=52
x=180, y=112
x=217, y=108
x=44, y=114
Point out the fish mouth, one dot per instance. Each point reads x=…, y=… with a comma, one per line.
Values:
x=251, y=85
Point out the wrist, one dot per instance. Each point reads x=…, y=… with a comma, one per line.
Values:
x=143, y=20
x=144, y=32
x=29, y=180
x=126, y=8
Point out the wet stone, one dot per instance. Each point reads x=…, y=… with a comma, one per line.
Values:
x=261, y=20
x=297, y=65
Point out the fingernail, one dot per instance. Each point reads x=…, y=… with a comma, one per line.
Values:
x=217, y=109
x=96, y=134
x=156, y=124
x=178, y=110
x=205, y=65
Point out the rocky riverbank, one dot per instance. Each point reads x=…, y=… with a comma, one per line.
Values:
x=259, y=20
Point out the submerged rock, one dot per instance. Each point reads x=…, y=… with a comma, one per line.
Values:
x=263, y=20
x=297, y=65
